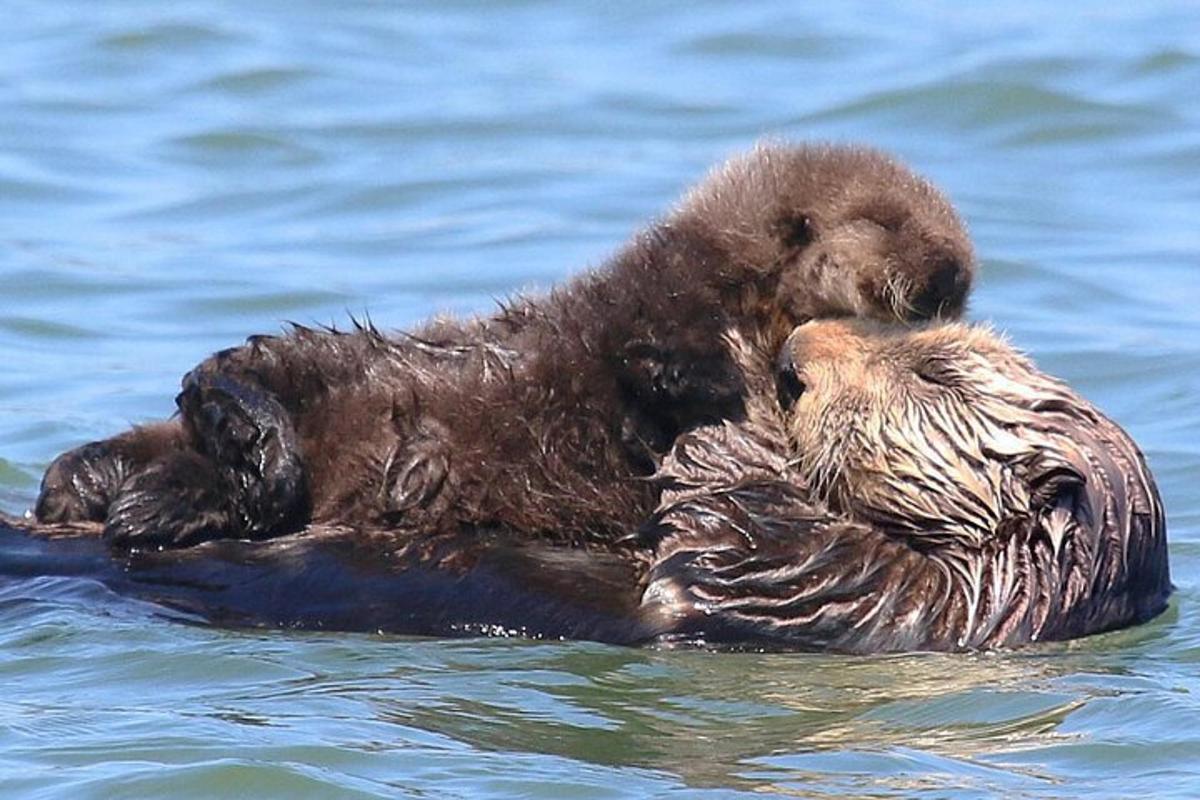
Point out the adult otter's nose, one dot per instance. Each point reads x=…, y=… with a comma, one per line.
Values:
x=788, y=385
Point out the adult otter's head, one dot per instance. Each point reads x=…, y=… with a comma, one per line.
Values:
x=943, y=433
x=948, y=439
x=824, y=231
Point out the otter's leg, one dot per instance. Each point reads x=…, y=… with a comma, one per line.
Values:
x=179, y=500
x=244, y=477
x=80, y=485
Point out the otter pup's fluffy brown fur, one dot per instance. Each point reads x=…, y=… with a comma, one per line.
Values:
x=543, y=417
x=935, y=491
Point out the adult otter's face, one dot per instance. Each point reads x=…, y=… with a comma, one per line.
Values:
x=834, y=231
x=947, y=437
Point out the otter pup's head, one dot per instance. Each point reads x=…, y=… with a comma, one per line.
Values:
x=824, y=231
x=947, y=437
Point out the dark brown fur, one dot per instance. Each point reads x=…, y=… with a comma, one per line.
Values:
x=545, y=417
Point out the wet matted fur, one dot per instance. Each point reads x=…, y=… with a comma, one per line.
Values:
x=546, y=416
x=936, y=491
x=959, y=499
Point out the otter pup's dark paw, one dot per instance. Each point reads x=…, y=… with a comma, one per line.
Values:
x=179, y=501
x=79, y=485
x=675, y=388
x=249, y=434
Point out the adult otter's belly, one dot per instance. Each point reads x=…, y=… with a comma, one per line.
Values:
x=341, y=579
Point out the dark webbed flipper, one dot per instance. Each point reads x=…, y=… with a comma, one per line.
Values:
x=81, y=484
x=243, y=479
x=250, y=435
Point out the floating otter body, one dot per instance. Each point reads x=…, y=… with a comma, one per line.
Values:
x=546, y=417
x=923, y=489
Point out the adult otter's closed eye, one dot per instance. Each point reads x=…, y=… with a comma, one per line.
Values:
x=542, y=417
x=943, y=494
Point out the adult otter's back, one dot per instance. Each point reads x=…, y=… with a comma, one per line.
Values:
x=944, y=494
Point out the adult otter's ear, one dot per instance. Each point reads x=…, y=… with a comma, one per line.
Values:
x=939, y=366
x=935, y=369
x=1061, y=483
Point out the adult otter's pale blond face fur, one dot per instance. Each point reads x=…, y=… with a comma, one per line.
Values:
x=948, y=439
x=945, y=434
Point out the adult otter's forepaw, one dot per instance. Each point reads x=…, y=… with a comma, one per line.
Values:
x=178, y=501
x=247, y=432
x=79, y=484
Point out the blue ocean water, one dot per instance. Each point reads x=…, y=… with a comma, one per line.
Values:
x=176, y=176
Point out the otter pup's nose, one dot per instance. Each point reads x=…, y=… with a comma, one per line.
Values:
x=788, y=386
x=945, y=291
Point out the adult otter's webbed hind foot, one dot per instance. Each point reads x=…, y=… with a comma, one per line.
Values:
x=242, y=478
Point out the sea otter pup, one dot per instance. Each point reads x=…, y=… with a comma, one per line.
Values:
x=937, y=492
x=543, y=417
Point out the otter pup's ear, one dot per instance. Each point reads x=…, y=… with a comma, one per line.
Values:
x=882, y=212
x=794, y=229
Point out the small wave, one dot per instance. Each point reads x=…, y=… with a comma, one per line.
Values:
x=165, y=36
